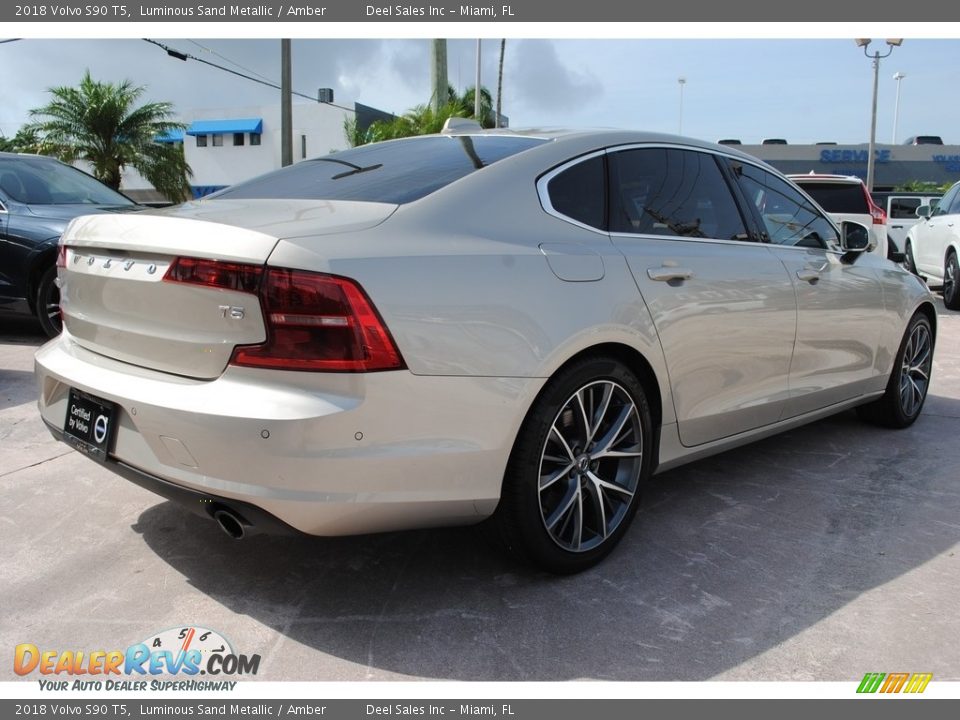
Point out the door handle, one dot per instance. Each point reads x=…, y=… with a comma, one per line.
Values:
x=809, y=275
x=667, y=274
x=897, y=227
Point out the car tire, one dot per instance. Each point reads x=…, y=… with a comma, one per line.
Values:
x=951, y=282
x=909, y=380
x=911, y=265
x=47, y=302
x=573, y=481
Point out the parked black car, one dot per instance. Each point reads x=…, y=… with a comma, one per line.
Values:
x=38, y=197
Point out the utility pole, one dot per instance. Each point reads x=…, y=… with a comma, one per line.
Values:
x=440, y=86
x=286, y=106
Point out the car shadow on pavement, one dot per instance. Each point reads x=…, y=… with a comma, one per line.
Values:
x=729, y=557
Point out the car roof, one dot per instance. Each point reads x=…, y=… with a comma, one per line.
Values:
x=597, y=138
x=838, y=179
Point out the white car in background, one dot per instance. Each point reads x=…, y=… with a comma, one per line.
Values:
x=933, y=246
x=845, y=197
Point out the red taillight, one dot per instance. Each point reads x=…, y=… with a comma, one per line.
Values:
x=215, y=273
x=319, y=322
x=878, y=214
x=62, y=256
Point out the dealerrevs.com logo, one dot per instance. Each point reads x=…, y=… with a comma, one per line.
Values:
x=184, y=651
x=888, y=683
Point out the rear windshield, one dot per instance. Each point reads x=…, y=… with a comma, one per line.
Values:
x=835, y=198
x=35, y=181
x=393, y=172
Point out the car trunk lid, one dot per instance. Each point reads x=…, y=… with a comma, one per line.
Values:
x=119, y=299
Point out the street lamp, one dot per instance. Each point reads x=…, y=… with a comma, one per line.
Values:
x=876, y=57
x=681, y=81
x=898, y=76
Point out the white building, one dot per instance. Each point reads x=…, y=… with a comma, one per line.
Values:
x=224, y=146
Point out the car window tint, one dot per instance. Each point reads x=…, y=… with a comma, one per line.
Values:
x=392, y=172
x=36, y=181
x=662, y=191
x=837, y=197
x=904, y=208
x=788, y=217
x=954, y=204
x=579, y=192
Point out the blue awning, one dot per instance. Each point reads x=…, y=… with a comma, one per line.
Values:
x=172, y=136
x=220, y=127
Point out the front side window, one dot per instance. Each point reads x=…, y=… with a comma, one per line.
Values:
x=944, y=205
x=954, y=204
x=579, y=192
x=664, y=191
x=788, y=217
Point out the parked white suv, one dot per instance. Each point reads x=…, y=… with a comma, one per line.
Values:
x=901, y=209
x=933, y=246
x=845, y=197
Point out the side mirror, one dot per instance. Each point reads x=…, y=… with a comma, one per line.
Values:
x=923, y=211
x=854, y=237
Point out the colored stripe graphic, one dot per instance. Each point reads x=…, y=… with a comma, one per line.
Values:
x=870, y=682
x=894, y=682
x=918, y=682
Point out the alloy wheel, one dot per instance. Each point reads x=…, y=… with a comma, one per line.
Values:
x=915, y=369
x=590, y=466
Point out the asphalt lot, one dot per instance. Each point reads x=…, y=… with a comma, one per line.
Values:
x=820, y=554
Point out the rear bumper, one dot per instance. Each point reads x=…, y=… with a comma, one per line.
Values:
x=199, y=503
x=323, y=454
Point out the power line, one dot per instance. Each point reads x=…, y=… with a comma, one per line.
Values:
x=172, y=52
x=224, y=57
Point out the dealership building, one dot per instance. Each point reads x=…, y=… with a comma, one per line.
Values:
x=894, y=165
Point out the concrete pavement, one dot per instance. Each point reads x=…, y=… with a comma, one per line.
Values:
x=820, y=554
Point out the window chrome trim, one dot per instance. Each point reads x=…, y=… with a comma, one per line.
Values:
x=544, y=195
x=547, y=206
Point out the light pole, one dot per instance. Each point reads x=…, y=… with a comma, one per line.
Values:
x=681, y=81
x=876, y=57
x=898, y=76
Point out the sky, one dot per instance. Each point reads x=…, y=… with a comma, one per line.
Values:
x=803, y=90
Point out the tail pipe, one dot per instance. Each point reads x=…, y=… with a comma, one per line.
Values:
x=231, y=523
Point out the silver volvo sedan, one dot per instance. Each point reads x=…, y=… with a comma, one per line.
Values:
x=520, y=327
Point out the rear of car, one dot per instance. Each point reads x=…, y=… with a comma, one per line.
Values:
x=220, y=352
x=846, y=198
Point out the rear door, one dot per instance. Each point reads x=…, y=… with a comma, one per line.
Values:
x=840, y=306
x=722, y=304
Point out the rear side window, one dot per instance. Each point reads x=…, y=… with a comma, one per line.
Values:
x=904, y=208
x=838, y=198
x=392, y=172
x=579, y=192
x=662, y=191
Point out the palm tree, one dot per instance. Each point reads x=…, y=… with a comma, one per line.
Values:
x=101, y=123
